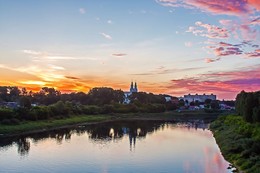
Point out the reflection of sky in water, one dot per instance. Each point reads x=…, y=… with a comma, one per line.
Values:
x=170, y=148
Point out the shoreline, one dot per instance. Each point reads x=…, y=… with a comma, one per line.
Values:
x=32, y=127
x=237, y=141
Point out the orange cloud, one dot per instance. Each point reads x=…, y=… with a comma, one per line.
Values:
x=71, y=77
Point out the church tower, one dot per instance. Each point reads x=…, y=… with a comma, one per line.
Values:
x=136, y=90
x=133, y=87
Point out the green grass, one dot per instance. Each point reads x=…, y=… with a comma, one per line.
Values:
x=239, y=142
x=47, y=124
x=28, y=126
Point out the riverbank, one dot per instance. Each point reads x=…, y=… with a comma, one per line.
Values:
x=28, y=127
x=239, y=142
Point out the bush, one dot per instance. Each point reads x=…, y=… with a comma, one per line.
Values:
x=23, y=113
x=15, y=121
x=6, y=121
x=39, y=112
x=106, y=109
x=6, y=113
x=239, y=141
x=12, y=121
x=256, y=114
x=91, y=110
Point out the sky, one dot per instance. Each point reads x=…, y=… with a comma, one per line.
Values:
x=171, y=47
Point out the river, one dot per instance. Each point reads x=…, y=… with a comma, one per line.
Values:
x=116, y=147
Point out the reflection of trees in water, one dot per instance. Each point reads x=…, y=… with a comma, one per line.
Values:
x=116, y=130
x=23, y=146
x=23, y=142
x=106, y=132
x=98, y=133
x=197, y=124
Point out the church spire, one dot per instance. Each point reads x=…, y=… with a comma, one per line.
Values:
x=132, y=87
x=136, y=90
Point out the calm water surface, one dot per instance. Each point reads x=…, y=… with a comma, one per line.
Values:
x=132, y=146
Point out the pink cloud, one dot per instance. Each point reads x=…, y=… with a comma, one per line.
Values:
x=254, y=3
x=255, y=21
x=220, y=51
x=210, y=31
x=247, y=32
x=230, y=7
x=225, y=84
x=224, y=44
x=210, y=60
x=255, y=54
x=245, y=29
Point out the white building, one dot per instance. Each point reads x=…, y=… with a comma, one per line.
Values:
x=133, y=89
x=200, y=98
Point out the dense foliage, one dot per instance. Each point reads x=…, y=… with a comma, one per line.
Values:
x=239, y=142
x=248, y=105
x=50, y=103
x=239, y=136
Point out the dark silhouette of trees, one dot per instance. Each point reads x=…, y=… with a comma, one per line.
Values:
x=47, y=96
x=181, y=102
x=50, y=103
x=146, y=98
x=25, y=102
x=23, y=146
x=9, y=93
x=248, y=105
x=214, y=104
x=104, y=95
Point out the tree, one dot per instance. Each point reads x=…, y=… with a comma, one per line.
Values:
x=256, y=114
x=192, y=103
x=47, y=96
x=146, y=98
x=24, y=92
x=104, y=95
x=247, y=108
x=181, y=102
x=214, y=104
x=14, y=93
x=248, y=105
x=197, y=103
x=3, y=93
x=25, y=102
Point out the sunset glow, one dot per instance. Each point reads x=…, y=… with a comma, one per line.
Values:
x=171, y=47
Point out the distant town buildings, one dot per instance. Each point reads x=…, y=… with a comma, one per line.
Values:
x=12, y=105
x=198, y=97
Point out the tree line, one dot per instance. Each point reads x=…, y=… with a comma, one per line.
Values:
x=50, y=103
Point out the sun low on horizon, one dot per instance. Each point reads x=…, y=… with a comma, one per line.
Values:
x=173, y=47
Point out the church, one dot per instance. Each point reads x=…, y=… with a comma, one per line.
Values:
x=133, y=89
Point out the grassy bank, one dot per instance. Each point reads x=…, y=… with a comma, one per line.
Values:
x=40, y=125
x=31, y=126
x=239, y=142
